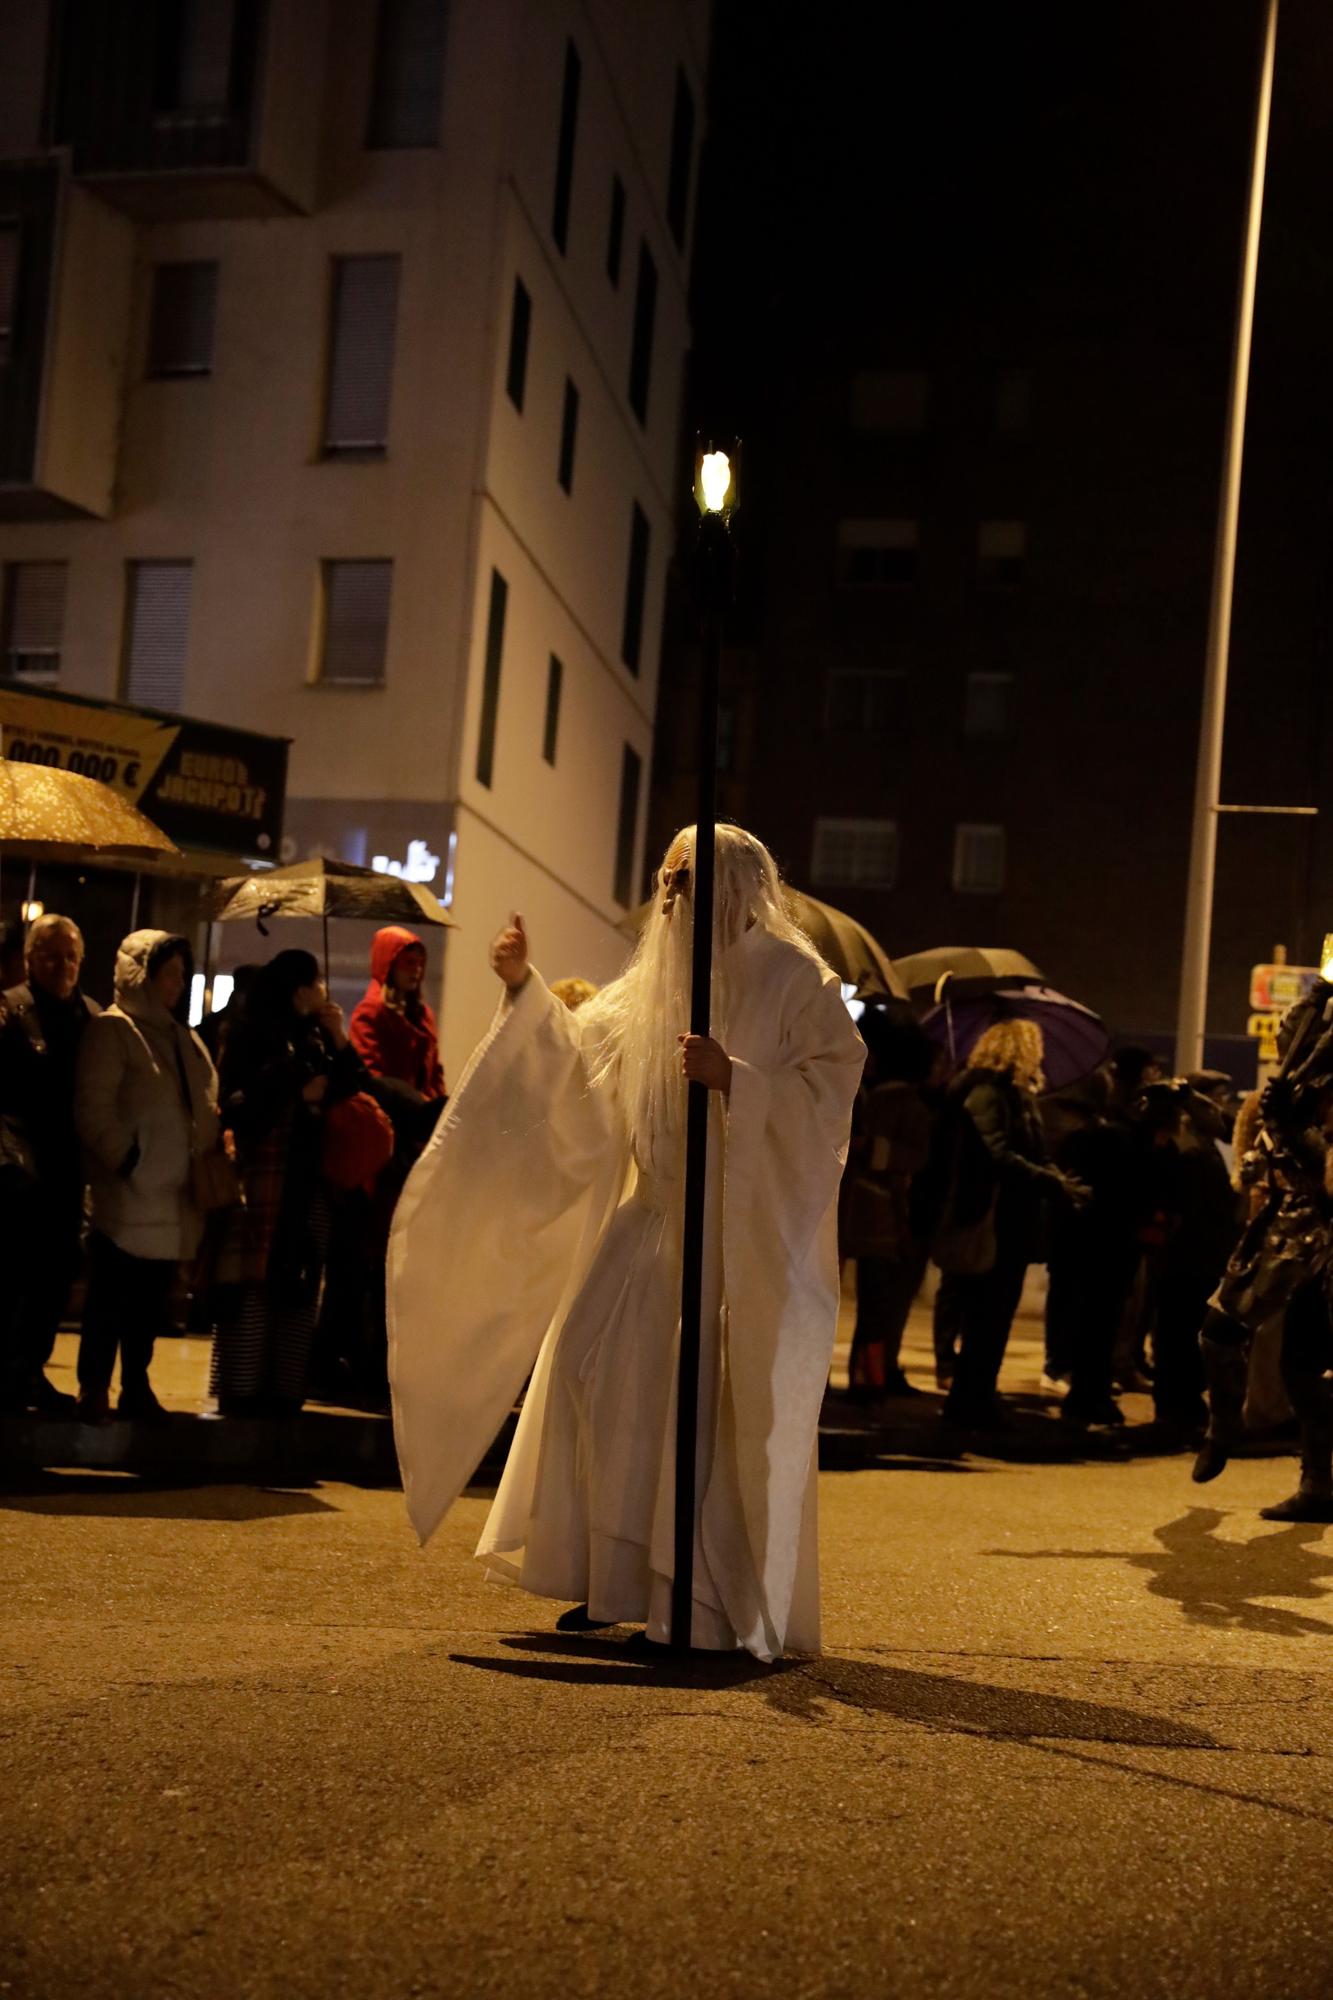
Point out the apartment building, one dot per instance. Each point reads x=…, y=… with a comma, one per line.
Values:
x=341, y=356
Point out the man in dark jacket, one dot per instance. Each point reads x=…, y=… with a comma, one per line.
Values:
x=41, y=1211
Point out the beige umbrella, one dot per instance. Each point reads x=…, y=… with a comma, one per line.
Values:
x=49, y=813
x=859, y=959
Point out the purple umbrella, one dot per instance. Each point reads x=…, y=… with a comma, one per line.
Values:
x=1075, y=1039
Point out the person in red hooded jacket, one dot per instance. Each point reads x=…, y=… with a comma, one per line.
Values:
x=392, y=1029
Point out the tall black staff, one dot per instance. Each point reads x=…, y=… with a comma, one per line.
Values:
x=715, y=491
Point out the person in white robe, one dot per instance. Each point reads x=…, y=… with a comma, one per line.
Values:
x=541, y=1231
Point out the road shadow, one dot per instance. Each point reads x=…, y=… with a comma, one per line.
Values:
x=82, y=1495
x=974, y=1708
x=600, y=1660
x=1217, y=1582
x=804, y=1689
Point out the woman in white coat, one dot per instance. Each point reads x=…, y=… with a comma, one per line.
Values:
x=145, y=1104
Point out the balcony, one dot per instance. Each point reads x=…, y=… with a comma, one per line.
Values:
x=173, y=110
x=66, y=280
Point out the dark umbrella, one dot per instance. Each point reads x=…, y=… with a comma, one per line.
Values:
x=1074, y=1038
x=322, y=889
x=846, y=946
x=969, y=968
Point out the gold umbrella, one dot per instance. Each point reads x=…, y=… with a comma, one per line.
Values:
x=48, y=812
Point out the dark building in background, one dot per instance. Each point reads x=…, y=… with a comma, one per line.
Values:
x=969, y=295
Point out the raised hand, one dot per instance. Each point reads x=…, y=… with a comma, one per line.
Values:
x=509, y=954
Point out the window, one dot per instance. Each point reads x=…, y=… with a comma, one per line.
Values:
x=978, y=860
x=631, y=772
x=877, y=553
x=363, y=319
x=180, y=334
x=9, y=288
x=988, y=705
x=520, y=326
x=156, y=629
x=866, y=700
x=636, y=585
x=682, y=154
x=409, y=74
x=555, y=674
x=356, y=622
x=569, y=430
x=194, y=61
x=615, y=235
x=890, y=401
x=34, y=621
x=1001, y=546
x=855, y=852
x=564, y=155
x=1013, y=402
x=490, y=685
x=641, y=347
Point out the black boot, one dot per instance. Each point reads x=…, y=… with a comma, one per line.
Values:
x=1313, y=1498
x=1226, y=1367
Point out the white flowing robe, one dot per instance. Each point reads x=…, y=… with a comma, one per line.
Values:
x=528, y=1239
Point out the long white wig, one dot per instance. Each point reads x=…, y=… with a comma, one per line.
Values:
x=637, y=1019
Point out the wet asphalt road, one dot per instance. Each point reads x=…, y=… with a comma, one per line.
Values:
x=1072, y=1735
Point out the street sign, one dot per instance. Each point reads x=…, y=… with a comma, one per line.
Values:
x=1263, y=1029
x=1278, y=987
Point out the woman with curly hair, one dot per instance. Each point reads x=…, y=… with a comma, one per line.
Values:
x=997, y=1093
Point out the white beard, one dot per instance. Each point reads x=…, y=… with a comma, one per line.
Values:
x=641, y=1017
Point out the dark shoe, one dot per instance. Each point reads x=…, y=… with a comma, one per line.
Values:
x=48, y=1401
x=898, y=1386
x=1303, y=1505
x=1211, y=1461
x=94, y=1406
x=141, y=1406
x=1107, y=1416
x=578, y=1620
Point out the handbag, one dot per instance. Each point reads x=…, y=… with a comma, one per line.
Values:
x=214, y=1181
x=358, y=1141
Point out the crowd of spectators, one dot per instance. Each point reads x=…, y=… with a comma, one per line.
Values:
x=1122, y=1187
x=225, y=1177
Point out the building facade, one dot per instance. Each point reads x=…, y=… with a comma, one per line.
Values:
x=983, y=421
x=341, y=355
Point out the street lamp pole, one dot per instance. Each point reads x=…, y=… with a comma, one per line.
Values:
x=1193, y=1006
x=715, y=490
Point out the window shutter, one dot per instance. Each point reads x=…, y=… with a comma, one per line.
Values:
x=409, y=74
x=365, y=314
x=9, y=284
x=490, y=686
x=641, y=349
x=555, y=674
x=978, y=859
x=180, y=341
x=520, y=327
x=356, y=622
x=34, y=620
x=631, y=772
x=682, y=155
x=569, y=430
x=636, y=584
x=159, y=624
x=564, y=155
